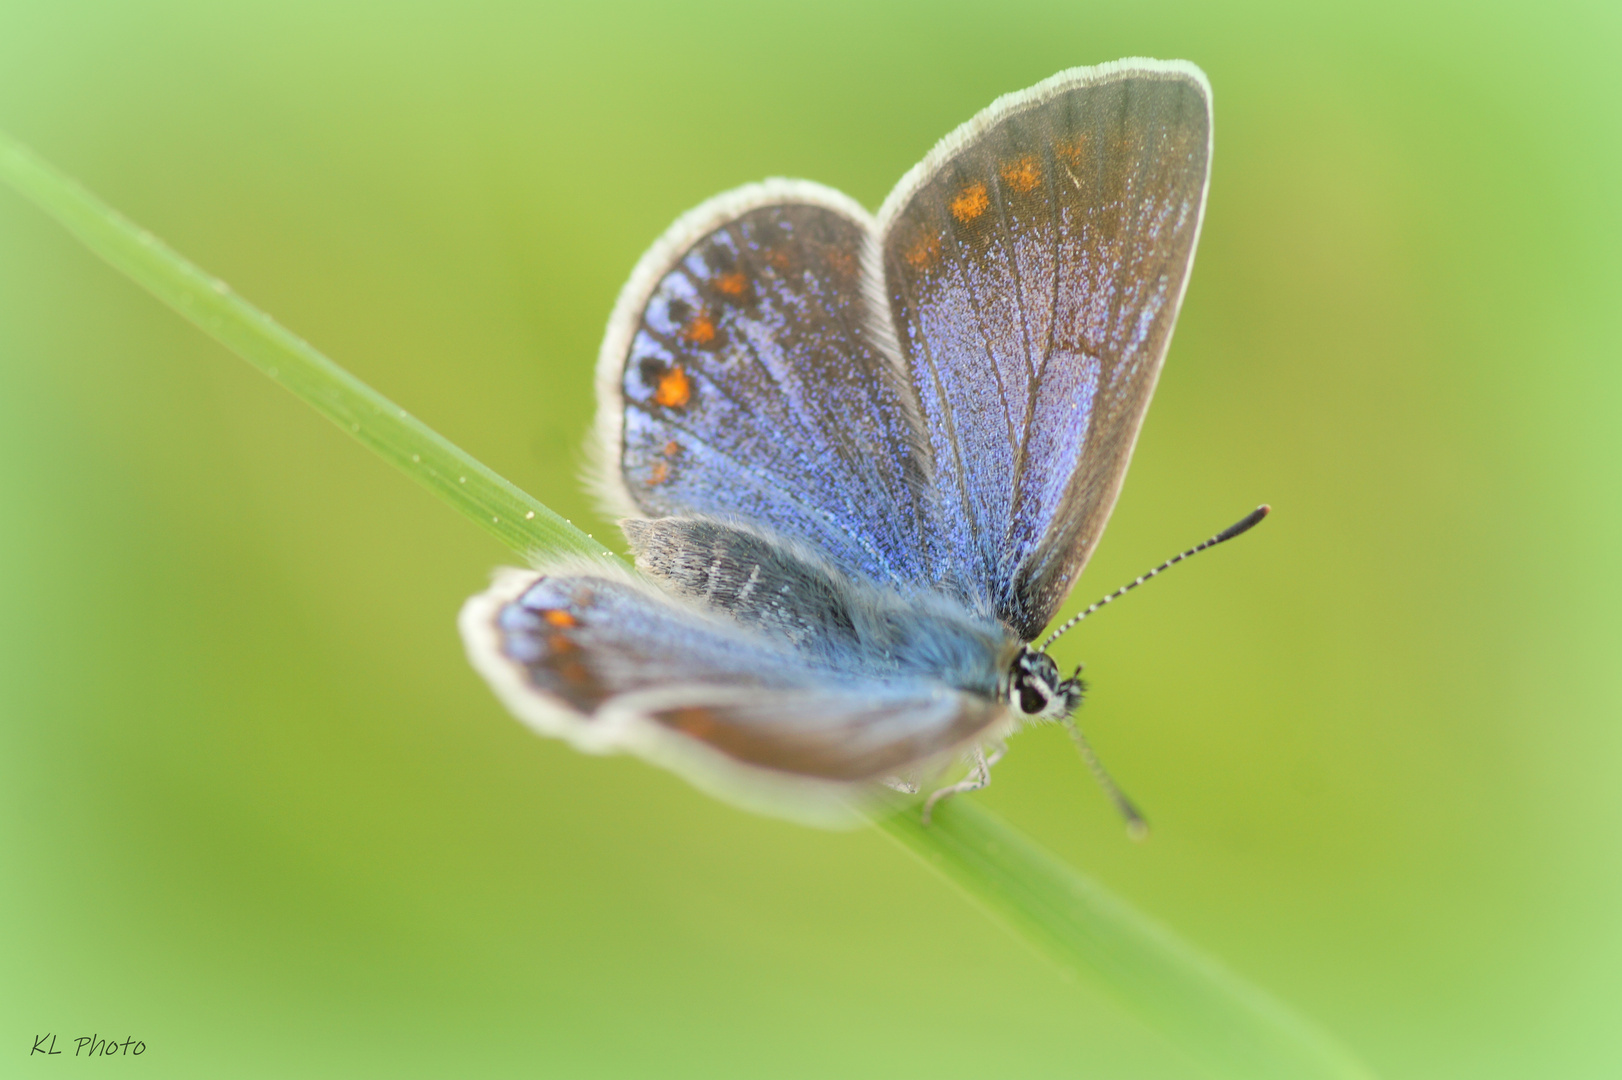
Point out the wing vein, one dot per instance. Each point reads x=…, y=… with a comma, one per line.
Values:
x=985, y=340
x=948, y=421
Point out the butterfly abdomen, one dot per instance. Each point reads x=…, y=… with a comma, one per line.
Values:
x=840, y=622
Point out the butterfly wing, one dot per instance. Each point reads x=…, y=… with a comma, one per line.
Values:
x=1034, y=264
x=611, y=664
x=812, y=414
x=743, y=376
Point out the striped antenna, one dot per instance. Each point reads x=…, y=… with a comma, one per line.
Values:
x=1229, y=533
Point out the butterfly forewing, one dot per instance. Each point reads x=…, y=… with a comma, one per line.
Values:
x=752, y=387
x=1034, y=265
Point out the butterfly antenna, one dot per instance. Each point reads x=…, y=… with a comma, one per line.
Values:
x=1136, y=827
x=1229, y=533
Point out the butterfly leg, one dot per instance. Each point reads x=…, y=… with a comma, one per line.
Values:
x=979, y=776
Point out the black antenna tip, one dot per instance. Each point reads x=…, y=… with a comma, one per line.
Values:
x=1136, y=827
x=1251, y=520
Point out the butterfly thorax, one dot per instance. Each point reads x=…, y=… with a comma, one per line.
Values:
x=844, y=625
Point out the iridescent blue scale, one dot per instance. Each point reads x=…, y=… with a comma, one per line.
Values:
x=791, y=418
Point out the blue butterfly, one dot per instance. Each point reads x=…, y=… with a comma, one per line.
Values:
x=861, y=461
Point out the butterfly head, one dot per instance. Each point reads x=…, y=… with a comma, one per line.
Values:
x=1036, y=690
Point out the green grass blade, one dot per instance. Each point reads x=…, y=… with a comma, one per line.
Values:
x=1228, y=1025
x=516, y=519
x=1220, y=1020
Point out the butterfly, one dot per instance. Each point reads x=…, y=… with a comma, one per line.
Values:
x=861, y=461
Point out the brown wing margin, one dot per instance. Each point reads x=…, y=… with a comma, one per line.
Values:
x=587, y=653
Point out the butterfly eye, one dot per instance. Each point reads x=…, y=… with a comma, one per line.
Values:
x=1031, y=700
x=1039, y=667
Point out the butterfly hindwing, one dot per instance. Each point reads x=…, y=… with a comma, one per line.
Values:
x=1034, y=263
x=612, y=664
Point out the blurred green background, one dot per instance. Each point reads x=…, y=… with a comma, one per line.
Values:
x=258, y=812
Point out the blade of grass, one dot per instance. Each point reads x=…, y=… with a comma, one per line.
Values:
x=517, y=520
x=1228, y=1025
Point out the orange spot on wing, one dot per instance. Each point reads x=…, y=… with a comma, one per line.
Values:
x=732, y=284
x=672, y=448
x=560, y=618
x=560, y=644
x=701, y=331
x=841, y=262
x=922, y=251
x=575, y=673
x=1071, y=150
x=970, y=203
x=661, y=473
x=675, y=389
x=1022, y=174
x=694, y=721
